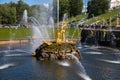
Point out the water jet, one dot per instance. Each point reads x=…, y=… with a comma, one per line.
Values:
x=57, y=49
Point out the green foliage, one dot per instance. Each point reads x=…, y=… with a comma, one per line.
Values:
x=21, y=6
x=35, y=11
x=76, y=7
x=78, y=19
x=11, y=13
x=63, y=8
x=97, y=7
x=71, y=7
x=73, y=33
x=7, y=14
x=82, y=19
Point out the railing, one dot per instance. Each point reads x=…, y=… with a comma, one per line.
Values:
x=99, y=29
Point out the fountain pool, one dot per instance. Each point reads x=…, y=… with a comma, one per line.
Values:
x=25, y=67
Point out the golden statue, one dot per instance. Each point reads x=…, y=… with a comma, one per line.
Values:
x=60, y=35
x=110, y=24
x=117, y=21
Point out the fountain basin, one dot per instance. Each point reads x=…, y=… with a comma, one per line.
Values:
x=56, y=51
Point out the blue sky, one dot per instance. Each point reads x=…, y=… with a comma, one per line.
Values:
x=30, y=2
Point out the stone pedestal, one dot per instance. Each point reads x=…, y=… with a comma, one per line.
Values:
x=56, y=51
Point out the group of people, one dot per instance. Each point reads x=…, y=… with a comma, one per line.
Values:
x=97, y=35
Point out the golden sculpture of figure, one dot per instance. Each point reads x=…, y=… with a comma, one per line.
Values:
x=60, y=35
x=63, y=30
x=110, y=24
x=117, y=20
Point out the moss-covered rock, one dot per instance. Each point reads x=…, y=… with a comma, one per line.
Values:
x=56, y=51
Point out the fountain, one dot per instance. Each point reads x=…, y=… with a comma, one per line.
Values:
x=24, y=21
x=47, y=47
x=42, y=25
x=58, y=48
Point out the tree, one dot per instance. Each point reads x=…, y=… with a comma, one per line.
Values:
x=35, y=11
x=63, y=8
x=71, y=7
x=11, y=13
x=97, y=7
x=12, y=17
x=8, y=14
x=21, y=6
x=12, y=4
x=76, y=7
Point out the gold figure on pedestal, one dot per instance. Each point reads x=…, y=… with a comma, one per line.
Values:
x=110, y=23
x=60, y=35
x=117, y=22
x=59, y=48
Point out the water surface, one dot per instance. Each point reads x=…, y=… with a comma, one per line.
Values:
x=100, y=63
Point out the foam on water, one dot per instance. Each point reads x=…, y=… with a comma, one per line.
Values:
x=5, y=51
x=79, y=47
x=63, y=63
x=15, y=50
x=78, y=62
x=116, y=53
x=82, y=73
x=18, y=50
x=111, y=61
x=86, y=46
x=13, y=55
x=84, y=76
x=93, y=53
x=6, y=66
x=108, y=49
